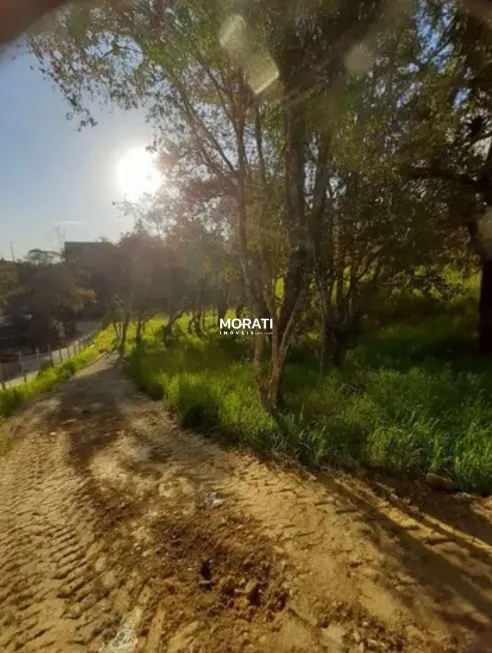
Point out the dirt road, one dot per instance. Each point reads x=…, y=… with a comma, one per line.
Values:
x=121, y=534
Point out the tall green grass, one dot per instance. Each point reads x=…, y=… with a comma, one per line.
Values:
x=409, y=399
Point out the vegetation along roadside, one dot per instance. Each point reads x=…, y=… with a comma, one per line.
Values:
x=410, y=398
x=14, y=397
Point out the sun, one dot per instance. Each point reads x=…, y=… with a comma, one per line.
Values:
x=137, y=174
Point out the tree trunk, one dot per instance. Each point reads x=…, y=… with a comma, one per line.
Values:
x=139, y=331
x=196, y=322
x=485, y=310
x=485, y=301
x=167, y=330
x=296, y=277
x=221, y=313
x=124, y=331
x=325, y=289
x=339, y=294
x=275, y=382
x=117, y=330
x=340, y=342
x=258, y=365
x=326, y=348
x=221, y=310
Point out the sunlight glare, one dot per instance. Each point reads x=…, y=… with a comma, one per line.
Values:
x=137, y=174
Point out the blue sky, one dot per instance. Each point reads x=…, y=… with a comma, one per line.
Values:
x=52, y=175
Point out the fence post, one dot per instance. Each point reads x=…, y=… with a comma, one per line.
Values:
x=37, y=355
x=2, y=378
x=23, y=371
x=50, y=354
x=61, y=355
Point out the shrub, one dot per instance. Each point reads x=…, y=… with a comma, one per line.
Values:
x=44, y=366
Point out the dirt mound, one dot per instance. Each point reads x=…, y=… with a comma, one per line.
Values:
x=200, y=568
x=202, y=562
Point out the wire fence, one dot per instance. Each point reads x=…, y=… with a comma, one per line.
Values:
x=23, y=368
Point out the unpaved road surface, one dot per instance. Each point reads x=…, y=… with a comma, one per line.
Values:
x=121, y=534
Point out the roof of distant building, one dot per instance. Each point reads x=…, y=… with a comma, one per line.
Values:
x=81, y=244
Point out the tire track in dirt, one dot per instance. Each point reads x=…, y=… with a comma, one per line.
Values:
x=121, y=534
x=350, y=546
x=47, y=525
x=75, y=540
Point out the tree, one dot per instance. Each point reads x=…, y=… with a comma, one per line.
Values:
x=229, y=113
x=305, y=142
x=146, y=277
x=375, y=226
x=450, y=131
x=48, y=292
x=8, y=279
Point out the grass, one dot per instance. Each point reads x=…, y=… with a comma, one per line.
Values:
x=410, y=398
x=13, y=398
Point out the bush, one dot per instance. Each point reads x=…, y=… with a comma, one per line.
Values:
x=45, y=366
x=10, y=400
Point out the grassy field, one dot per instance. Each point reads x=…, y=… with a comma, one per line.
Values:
x=410, y=399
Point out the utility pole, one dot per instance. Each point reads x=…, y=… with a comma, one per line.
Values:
x=12, y=254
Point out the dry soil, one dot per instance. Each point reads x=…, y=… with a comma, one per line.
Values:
x=120, y=533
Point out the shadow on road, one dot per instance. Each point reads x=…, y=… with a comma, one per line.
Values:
x=440, y=541
x=443, y=544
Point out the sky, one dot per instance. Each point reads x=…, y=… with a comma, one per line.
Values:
x=53, y=179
